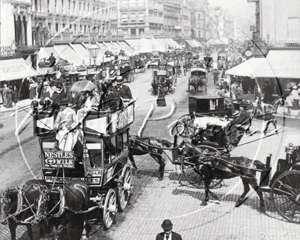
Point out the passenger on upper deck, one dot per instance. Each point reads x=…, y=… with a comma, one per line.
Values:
x=53, y=95
x=122, y=90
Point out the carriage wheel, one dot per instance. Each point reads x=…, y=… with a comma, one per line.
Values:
x=109, y=208
x=124, y=189
x=285, y=195
x=184, y=126
x=193, y=175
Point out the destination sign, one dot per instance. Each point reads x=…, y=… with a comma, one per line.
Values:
x=162, y=72
x=68, y=179
x=59, y=159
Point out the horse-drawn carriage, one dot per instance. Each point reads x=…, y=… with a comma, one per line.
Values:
x=162, y=81
x=139, y=64
x=197, y=79
x=126, y=71
x=84, y=166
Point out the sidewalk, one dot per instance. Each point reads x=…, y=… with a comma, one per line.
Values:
x=20, y=104
x=281, y=111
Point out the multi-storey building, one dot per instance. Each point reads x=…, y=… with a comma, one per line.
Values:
x=200, y=8
x=278, y=22
x=138, y=18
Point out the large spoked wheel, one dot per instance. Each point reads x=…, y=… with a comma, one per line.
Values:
x=124, y=188
x=183, y=127
x=109, y=209
x=192, y=173
x=285, y=195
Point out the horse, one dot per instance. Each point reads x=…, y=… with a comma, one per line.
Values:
x=58, y=206
x=224, y=168
x=148, y=145
x=18, y=206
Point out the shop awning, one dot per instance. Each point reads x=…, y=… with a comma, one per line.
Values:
x=173, y=43
x=140, y=45
x=45, y=52
x=191, y=43
x=280, y=64
x=67, y=53
x=128, y=50
x=197, y=43
x=82, y=51
x=164, y=43
x=247, y=68
x=157, y=46
x=13, y=69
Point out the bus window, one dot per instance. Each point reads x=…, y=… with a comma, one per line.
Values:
x=125, y=139
x=95, y=154
x=106, y=155
x=119, y=144
x=112, y=148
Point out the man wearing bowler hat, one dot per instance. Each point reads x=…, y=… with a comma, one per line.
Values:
x=168, y=234
x=123, y=90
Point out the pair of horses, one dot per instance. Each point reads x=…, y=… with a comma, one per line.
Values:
x=214, y=167
x=38, y=203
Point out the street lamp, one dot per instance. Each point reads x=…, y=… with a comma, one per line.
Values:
x=94, y=53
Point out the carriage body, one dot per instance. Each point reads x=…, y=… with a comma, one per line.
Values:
x=284, y=184
x=99, y=158
x=197, y=78
x=102, y=153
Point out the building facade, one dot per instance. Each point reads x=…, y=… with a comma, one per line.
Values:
x=278, y=22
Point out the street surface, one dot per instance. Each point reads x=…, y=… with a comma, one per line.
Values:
x=153, y=201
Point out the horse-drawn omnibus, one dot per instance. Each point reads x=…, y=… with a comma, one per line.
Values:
x=98, y=158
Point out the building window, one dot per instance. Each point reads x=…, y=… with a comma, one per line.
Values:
x=64, y=25
x=88, y=7
x=49, y=26
x=48, y=5
x=84, y=29
x=132, y=17
x=124, y=18
x=133, y=32
x=83, y=6
x=80, y=28
x=74, y=29
x=141, y=17
x=56, y=27
x=62, y=5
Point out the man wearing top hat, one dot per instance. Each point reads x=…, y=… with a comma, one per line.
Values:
x=122, y=90
x=168, y=234
x=53, y=96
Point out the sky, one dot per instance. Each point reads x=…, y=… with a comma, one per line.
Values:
x=239, y=8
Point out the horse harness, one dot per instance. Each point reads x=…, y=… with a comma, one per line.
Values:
x=21, y=206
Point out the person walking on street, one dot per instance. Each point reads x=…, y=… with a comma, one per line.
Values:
x=32, y=88
x=168, y=234
x=289, y=103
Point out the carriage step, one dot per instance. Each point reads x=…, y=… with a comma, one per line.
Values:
x=264, y=188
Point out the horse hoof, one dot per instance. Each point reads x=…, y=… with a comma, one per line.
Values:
x=240, y=202
x=204, y=203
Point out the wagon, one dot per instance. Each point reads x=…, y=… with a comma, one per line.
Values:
x=99, y=158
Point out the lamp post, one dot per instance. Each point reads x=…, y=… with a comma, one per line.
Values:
x=94, y=54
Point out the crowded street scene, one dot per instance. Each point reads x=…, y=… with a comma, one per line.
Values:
x=147, y=119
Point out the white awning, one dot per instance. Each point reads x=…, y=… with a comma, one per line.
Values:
x=45, y=52
x=173, y=43
x=247, y=68
x=67, y=53
x=191, y=43
x=13, y=69
x=156, y=45
x=280, y=64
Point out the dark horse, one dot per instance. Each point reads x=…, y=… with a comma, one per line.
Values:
x=148, y=145
x=215, y=167
x=59, y=207
x=18, y=205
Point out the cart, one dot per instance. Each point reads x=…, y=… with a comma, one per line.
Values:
x=99, y=158
x=284, y=185
x=197, y=78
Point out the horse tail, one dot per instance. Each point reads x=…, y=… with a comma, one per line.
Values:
x=259, y=165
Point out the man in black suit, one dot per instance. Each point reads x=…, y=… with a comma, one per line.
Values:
x=168, y=234
x=73, y=99
x=53, y=96
x=122, y=90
